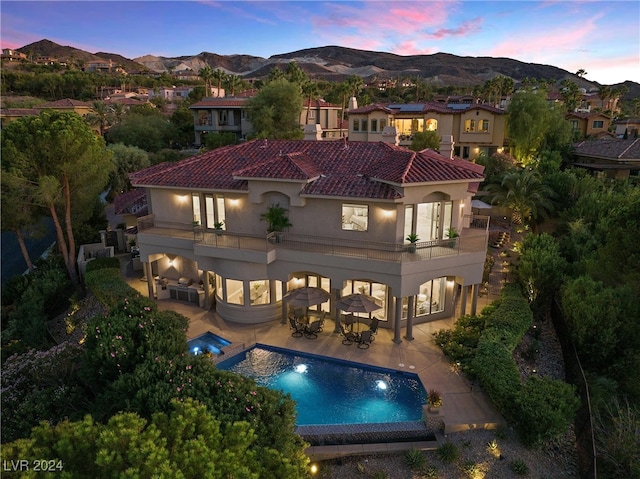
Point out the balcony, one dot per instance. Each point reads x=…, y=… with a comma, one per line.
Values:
x=266, y=249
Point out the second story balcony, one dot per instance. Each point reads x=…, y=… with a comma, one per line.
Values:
x=311, y=249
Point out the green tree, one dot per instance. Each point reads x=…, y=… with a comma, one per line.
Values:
x=540, y=269
x=275, y=110
x=163, y=446
x=524, y=193
x=425, y=139
x=295, y=74
x=232, y=83
x=311, y=92
x=206, y=73
x=66, y=166
x=125, y=159
x=571, y=94
x=527, y=124
x=219, y=76
x=150, y=132
x=496, y=166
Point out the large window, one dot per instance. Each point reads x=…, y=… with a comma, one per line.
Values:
x=234, y=291
x=356, y=125
x=214, y=210
x=375, y=290
x=598, y=124
x=355, y=217
x=259, y=291
x=430, y=300
x=197, y=215
x=469, y=126
x=428, y=220
x=484, y=126
x=374, y=125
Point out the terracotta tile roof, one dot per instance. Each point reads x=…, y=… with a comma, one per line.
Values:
x=65, y=103
x=220, y=102
x=418, y=108
x=330, y=168
x=18, y=111
x=613, y=149
x=290, y=166
x=134, y=201
x=319, y=104
x=586, y=115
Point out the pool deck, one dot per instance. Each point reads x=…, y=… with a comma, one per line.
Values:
x=465, y=406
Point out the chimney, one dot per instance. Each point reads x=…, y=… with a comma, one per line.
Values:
x=353, y=103
x=313, y=132
x=446, y=146
x=390, y=135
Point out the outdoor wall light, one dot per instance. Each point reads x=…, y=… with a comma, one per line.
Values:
x=182, y=199
x=234, y=202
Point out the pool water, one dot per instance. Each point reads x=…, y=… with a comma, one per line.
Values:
x=207, y=342
x=331, y=391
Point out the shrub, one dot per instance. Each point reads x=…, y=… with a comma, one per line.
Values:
x=414, y=459
x=546, y=407
x=109, y=287
x=519, y=467
x=470, y=468
x=448, y=452
x=103, y=263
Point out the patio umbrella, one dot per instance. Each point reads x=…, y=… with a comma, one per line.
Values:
x=358, y=303
x=307, y=296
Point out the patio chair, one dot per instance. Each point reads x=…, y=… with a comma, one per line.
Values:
x=374, y=325
x=298, y=329
x=312, y=331
x=349, y=337
x=365, y=339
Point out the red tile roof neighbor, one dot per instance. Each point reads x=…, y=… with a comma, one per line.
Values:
x=324, y=168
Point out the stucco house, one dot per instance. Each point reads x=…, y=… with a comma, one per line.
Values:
x=609, y=157
x=351, y=206
x=231, y=114
x=591, y=124
x=476, y=128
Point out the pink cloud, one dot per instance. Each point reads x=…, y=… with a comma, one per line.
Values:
x=529, y=45
x=409, y=48
x=465, y=28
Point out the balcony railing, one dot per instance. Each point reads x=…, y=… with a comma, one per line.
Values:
x=473, y=239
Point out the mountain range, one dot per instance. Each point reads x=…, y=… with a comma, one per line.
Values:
x=335, y=63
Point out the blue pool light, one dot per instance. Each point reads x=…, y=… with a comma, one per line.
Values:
x=301, y=368
x=207, y=343
x=195, y=350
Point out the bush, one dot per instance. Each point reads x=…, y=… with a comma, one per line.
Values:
x=519, y=467
x=103, y=263
x=448, y=452
x=108, y=286
x=546, y=408
x=415, y=459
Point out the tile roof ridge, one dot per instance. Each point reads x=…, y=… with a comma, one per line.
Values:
x=635, y=140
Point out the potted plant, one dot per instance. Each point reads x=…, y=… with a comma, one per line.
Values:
x=412, y=239
x=277, y=220
x=434, y=400
x=452, y=233
x=217, y=226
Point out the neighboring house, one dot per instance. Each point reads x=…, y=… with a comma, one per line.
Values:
x=589, y=124
x=231, y=114
x=476, y=128
x=351, y=206
x=170, y=94
x=628, y=128
x=13, y=55
x=104, y=66
x=610, y=157
x=82, y=108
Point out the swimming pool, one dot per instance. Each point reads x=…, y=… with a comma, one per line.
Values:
x=332, y=391
x=207, y=342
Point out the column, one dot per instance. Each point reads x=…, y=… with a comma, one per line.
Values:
x=335, y=313
x=150, y=281
x=284, y=314
x=411, y=306
x=463, y=300
x=474, y=298
x=398, y=321
x=207, y=293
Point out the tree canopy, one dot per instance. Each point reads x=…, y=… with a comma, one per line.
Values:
x=275, y=110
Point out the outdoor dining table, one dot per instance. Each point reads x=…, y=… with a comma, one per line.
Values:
x=356, y=323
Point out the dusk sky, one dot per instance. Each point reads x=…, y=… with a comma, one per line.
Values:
x=602, y=38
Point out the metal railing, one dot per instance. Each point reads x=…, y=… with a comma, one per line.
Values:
x=472, y=240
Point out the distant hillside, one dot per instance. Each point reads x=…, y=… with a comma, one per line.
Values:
x=335, y=63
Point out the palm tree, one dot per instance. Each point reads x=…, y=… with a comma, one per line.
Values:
x=219, y=76
x=100, y=116
x=231, y=82
x=604, y=92
x=343, y=89
x=524, y=193
x=206, y=73
x=310, y=91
